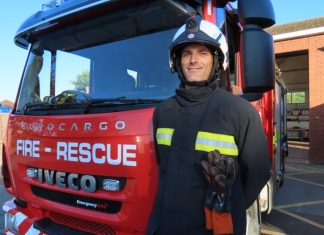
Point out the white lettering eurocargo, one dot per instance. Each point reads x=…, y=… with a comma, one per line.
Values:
x=74, y=127
x=97, y=153
x=87, y=126
x=103, y=126
x=61, y=127
x=120, y=125
x=50, y=127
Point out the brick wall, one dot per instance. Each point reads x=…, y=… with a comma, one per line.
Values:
x=316, y=89
x=3, y=128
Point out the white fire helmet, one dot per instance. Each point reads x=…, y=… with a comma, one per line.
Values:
x=198, y=31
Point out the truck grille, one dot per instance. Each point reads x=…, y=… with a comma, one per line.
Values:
x=106, y=206
x=80, y=224
x=60, y=224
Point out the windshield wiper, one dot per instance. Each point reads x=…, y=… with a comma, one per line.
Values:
x=109, y=102
x=119, y=101
x=50, y=106
x=28, y=106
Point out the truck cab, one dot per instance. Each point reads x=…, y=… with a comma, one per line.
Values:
x=78, y=155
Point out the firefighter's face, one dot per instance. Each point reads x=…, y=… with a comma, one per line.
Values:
x=196, y=62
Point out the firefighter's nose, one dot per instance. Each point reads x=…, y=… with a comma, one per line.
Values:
x=193, y=58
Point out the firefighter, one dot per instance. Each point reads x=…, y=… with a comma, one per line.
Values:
x=210, y=145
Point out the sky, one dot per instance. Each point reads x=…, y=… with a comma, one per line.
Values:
x=14, y=12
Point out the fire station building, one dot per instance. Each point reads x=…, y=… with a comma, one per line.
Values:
x=299, y=49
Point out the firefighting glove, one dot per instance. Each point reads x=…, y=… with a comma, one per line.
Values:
x=220, y=173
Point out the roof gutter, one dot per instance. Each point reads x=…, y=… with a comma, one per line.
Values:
x=298, y=34
x=47, y=18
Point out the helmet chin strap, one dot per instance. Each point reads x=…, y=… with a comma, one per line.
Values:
x=212, y=77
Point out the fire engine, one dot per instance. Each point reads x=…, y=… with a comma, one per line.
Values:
x=78, y=155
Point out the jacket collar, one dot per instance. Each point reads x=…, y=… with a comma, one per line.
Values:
x=195, y=95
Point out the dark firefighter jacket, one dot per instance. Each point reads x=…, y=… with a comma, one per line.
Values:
x=188, y=126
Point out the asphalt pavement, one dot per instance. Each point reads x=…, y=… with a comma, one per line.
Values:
x=299, y=203
x=4, y=196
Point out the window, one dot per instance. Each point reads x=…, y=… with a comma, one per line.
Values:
x=96, y=66
x=296, y=97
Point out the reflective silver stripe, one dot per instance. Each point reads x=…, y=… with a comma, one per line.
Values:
x=216, y=143
x=207, y=142
x=164, y=136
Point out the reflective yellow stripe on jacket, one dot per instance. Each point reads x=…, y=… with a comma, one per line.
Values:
x=225, y=144
x=164, y=136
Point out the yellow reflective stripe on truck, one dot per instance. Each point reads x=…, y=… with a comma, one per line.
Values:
x=164, y=136
x=225, y=144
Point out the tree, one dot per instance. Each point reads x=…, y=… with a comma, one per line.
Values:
x=82, y=81
x=296, y=97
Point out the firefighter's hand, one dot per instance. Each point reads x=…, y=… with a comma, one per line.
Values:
x=220, y=172
x=219, y=169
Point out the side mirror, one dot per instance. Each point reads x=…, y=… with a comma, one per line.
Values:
x=257, y=53
x=258, y=60
x=253, y=12
x=251, y=96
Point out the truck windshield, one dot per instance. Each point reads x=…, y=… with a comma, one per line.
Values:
x=70, y=66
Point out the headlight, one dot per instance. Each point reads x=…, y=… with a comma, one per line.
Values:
x=11, y=223
x=111, y=185
x=32, y=172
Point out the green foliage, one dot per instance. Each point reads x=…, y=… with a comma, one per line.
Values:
x=296, y=97
x=82, y=81
x=288, y=98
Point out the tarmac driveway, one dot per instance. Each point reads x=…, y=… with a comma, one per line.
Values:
x=299, y=203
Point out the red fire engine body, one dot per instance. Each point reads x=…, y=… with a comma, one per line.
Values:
x=78, y=155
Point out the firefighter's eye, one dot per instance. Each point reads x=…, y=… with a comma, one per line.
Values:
x=185, y=54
